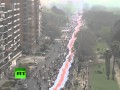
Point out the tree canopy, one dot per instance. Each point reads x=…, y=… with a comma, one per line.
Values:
x=52, y=20
x=85, y=42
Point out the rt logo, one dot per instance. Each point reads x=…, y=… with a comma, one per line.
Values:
x=20, y=73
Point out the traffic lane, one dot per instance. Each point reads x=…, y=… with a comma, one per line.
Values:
x=28, y=80
x=54, y=55
x=56, y=47
x=51, y=53
x=31, y=79
x=32, y=85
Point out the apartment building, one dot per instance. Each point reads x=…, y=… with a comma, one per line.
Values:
x=38, y=12
x=10, y=49
x=30, y=26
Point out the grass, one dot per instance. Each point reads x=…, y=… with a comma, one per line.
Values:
x=100, y=82
x=101, y=45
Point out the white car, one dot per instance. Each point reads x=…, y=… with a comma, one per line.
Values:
x=90, y=61
x=25, y=86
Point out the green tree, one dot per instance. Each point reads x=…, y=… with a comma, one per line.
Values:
x=108, y=56
x=115, y=52
x=85, y=43
x=51, y=22
x=116, y=31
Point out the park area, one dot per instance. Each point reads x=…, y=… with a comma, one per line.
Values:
x=99, y=80
x=100, y=46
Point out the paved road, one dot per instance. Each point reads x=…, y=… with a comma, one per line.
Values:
x=32, y=82
x=53, y=53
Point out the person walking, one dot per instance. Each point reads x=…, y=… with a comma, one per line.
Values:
x=39, y=87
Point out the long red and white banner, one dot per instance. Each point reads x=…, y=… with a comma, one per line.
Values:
x=64, y=70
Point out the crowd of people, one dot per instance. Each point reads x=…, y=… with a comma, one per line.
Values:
x=84, y=76
x=49, y=72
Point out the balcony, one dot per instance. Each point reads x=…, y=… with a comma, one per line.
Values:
x=5, y=35
x=16, y=31
x=16, y=3
x=3, y=61
x=16, y=20
x=2, y=29
x=8, y=17
x=8, y=43
x=17, y=9
x=17, y=36
x=9, y=23
x=9, y=10
x=16, y=14
x=16, y=25
x=17, y=47
x=1, y=54
x=17, y=42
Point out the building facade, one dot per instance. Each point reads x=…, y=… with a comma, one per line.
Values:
x=30, y=26
x=10, y=49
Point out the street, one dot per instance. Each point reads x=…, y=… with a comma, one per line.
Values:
x=54, y=54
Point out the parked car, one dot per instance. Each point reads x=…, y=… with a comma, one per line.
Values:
x=25, y=86
x=21, y=82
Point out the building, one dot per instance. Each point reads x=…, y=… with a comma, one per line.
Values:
x=10, y=49
x=30, y=26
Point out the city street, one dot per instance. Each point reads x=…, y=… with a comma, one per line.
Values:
x=59, y=45
x=45, y=74
x=32, y=83
x=52, y=55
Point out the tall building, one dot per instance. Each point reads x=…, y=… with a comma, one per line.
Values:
x=30, y=26
x=10, y=49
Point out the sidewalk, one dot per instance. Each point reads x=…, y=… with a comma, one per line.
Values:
x=82, y=79
x=117, y=75
x=28, y=59
x=3, y=80
x=52, y=54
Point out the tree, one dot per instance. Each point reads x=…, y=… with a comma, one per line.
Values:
x=52, y=20
x=57, y=11
x=85, y=43
x=115, y=52
x=100, y=21
x=116, y=31
x=108, y=55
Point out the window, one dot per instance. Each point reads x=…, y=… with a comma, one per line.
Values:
x=2, y=15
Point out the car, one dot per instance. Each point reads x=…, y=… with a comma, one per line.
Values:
x=25, y=86
x=90, y=61
x=21, y=81
x=32, y=63
x=36, y=63
x=101, y=57
x=43, y=54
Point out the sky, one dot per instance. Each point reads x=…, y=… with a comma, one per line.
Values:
x=71, y=6
x=107, y=3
